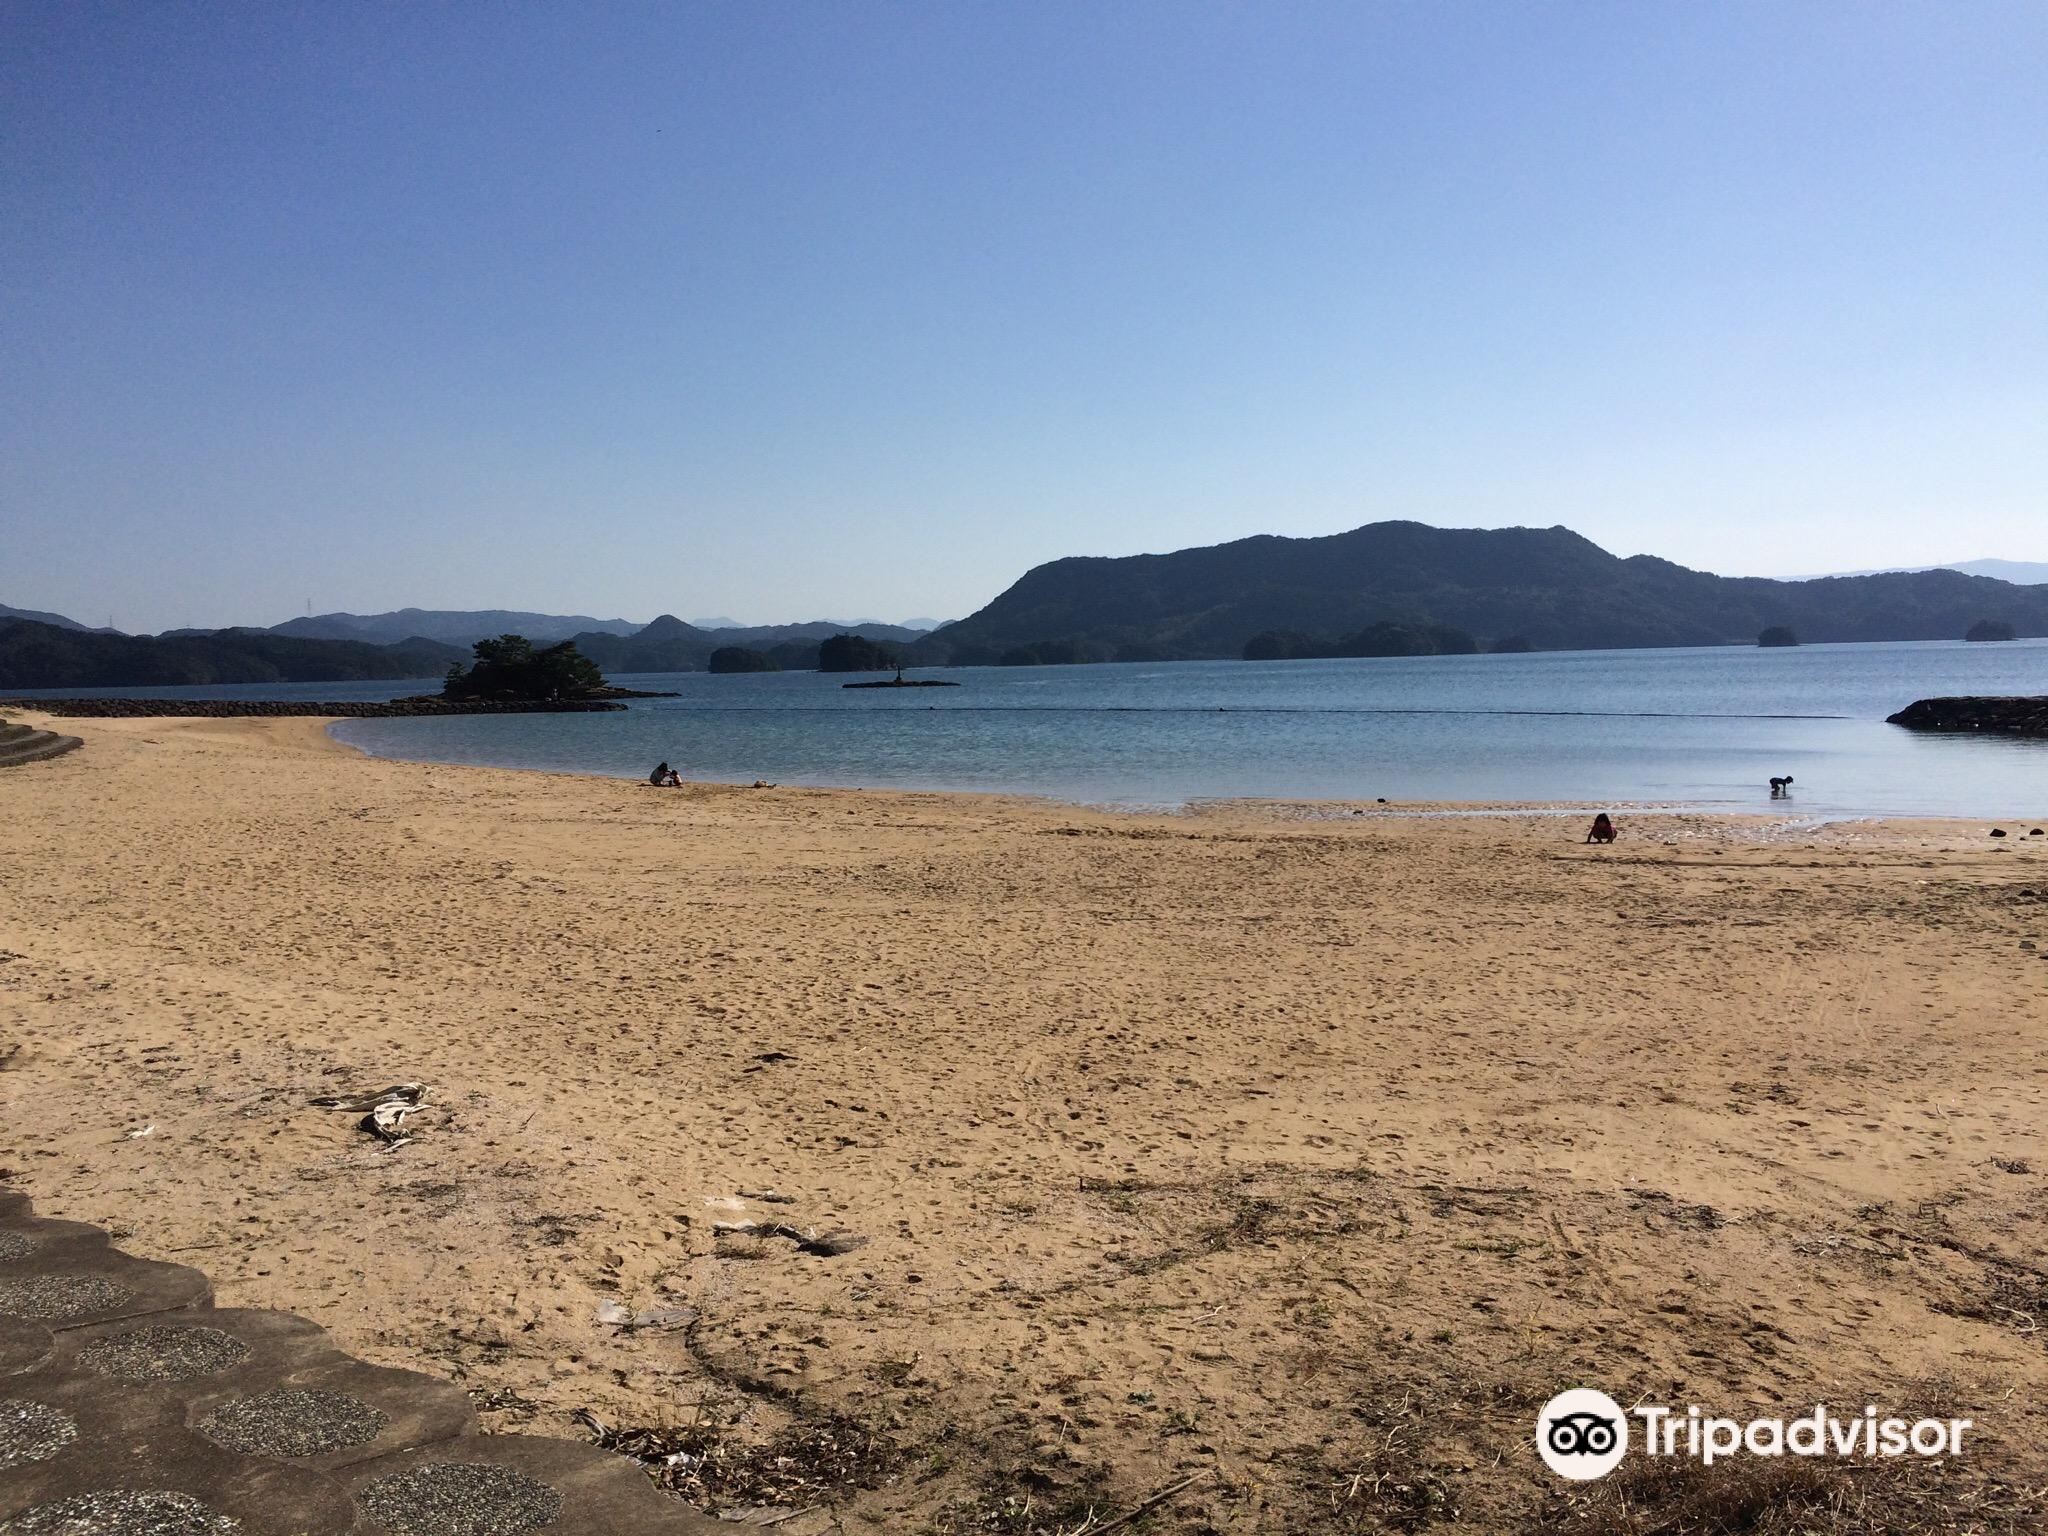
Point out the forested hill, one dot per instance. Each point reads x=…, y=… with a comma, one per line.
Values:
x=36, y=655
x=450, y=627
x=1546, y=586
x=670, y=645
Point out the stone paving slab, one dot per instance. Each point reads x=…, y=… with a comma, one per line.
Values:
x=334, y=1415
x=312, y=1403
x=117, y=1442
x=131, y=1406
x=237, y=1347
x=24, y=1235
x=508, y=1485
x=22, y=1344
x=65, y=1276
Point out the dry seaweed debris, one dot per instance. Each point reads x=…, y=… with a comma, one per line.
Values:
x=817, y=1459
x=1791, y=1496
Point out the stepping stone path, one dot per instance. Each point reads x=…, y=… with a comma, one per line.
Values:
x=25, y=744
x=130, y=1405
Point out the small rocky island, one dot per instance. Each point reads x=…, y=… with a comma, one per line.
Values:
x=2003, y=716
x=1990, y=629
x=508, y=677
x=900, y=681
x=510, y=671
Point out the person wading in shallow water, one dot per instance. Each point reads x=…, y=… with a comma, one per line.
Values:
x=1602, y=830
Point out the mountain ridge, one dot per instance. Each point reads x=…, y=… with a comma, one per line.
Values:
x=668, y=644
x=458, y=626
x=2021, y=573
x=450, y=626
x=54, y=620
x=36, y=655
x=1550, y=587
x=1505, y=588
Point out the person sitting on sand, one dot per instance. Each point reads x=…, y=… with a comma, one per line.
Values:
x=665, y=777
x=1602, y=831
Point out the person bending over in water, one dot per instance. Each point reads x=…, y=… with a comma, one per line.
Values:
x=665, y=777
x=1602, y=831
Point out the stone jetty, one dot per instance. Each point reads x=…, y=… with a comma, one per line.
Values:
x=237, y=709
x=2006, y=716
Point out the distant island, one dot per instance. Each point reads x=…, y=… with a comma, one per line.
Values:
x=449, y=626
x=512, y=670
x=740, y=658
x=464, y=627
x=34, y=654
x=857, y=653
x=1385, y=589
x=1504, y=588
x=669, y=645
x=2023, y=573
x=37, y=655
x=508, y=675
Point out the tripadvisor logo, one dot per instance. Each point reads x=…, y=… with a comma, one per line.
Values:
x=1583, y=1434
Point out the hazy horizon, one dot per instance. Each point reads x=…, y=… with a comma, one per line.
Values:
x=813, y=309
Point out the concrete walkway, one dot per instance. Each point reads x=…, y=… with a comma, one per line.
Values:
x=131, y=1406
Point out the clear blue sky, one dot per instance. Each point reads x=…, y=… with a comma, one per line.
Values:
x=787, y=310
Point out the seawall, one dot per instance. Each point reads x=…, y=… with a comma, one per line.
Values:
x=233, y=709
x=2008, y=716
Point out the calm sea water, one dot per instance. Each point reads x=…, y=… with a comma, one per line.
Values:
x=1699, y=727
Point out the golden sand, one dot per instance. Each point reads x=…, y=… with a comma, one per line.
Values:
x=1306, y=1155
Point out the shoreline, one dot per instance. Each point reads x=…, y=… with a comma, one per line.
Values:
x=316, y=733
x=1209, y=1141
x=1308, y=808
x=409, y=708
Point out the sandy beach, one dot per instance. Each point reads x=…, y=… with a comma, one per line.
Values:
x=1302, y=1157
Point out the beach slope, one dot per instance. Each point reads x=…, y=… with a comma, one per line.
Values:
x=1301, y=1156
